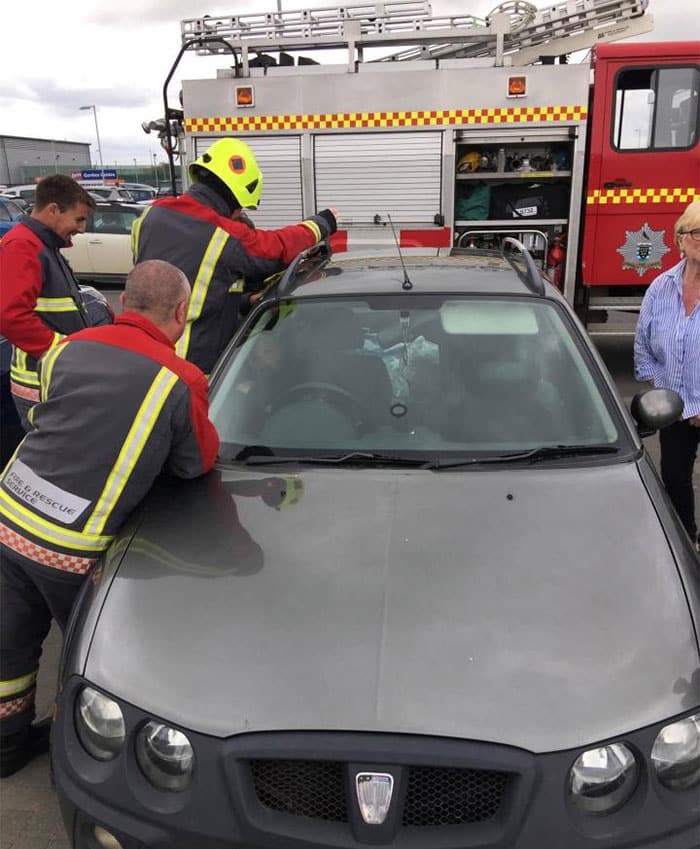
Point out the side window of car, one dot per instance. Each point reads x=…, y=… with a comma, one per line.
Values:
x=4, y=214
x=112, y=222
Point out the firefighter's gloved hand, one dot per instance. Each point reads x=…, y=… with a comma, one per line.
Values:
x=331, y=218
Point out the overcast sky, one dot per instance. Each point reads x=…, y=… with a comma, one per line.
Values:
x=116, y=54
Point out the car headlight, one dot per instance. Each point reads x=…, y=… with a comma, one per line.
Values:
x=165, y=756
x=100, y=724
x=603, y=779
x=676, y=754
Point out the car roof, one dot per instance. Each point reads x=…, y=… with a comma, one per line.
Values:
x=481, y=273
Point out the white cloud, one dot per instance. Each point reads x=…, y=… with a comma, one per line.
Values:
x=117, y=54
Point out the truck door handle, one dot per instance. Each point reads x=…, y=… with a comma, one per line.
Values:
x=617, y=184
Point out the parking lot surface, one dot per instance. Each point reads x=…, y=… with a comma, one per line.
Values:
x=29, y=815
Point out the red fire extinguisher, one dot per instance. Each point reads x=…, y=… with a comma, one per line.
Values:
x=555, y=260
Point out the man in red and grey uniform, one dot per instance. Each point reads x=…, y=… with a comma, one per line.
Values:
x=41, y=302
x=117, y=407
x=206, y=234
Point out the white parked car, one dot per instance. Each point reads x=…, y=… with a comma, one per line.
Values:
x=25, y=193
x=102, y=254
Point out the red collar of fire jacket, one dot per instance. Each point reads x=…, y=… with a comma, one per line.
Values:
x=134, y=319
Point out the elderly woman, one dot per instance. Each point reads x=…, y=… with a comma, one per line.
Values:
x=667, y=353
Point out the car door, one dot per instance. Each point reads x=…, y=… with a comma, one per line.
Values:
x=644, y=164
x=109, y=241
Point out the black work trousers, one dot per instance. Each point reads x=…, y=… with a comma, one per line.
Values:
x=31, y=596
x=679, y=447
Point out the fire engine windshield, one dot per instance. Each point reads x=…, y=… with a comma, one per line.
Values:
x=412, y=376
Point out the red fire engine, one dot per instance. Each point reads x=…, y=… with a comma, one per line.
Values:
x=474, y=130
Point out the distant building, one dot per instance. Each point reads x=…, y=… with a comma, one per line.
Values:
x=25, y=160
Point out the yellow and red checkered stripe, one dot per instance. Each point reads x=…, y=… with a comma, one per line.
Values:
x=384, y=120
x=15, y=706
x=679, y=194
x=45, y=556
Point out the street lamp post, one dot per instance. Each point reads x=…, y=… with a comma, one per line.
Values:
x=136, y=170
x=97, y=133
x=155, y=169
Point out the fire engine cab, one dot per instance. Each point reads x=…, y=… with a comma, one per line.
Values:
x=472, y=131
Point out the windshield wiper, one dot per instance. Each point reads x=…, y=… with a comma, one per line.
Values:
x=364, y=458
x=534, y=455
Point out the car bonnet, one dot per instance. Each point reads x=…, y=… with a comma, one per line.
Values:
x=535, y=607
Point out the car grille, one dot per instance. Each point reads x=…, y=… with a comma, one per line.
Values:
x=301, y=788
x=452, y=796
x=436, y=796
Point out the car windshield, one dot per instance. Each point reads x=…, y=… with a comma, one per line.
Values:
x=427, y=377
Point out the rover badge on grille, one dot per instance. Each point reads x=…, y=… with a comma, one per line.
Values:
x=374, y=791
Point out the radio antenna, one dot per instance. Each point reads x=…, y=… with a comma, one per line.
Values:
x=406, y=282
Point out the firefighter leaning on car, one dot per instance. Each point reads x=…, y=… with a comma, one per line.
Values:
x=117, y=406
x=204, y=233
x=41, y=301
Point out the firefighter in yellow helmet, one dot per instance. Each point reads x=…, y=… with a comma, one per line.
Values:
x=205, y=233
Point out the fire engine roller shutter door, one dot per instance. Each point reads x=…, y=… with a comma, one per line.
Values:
x=280, y=162
x=368, y=174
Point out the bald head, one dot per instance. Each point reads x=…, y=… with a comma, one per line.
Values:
x=155, y=288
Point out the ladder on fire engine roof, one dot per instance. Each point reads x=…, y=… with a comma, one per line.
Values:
x=516, y=32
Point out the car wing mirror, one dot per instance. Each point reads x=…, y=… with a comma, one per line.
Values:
x=654, y=409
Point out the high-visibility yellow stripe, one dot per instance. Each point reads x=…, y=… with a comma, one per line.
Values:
x=136, y=232
x=132, y=448
x=201, y=286
x=237, y=286
x=48, y=531
x=19, y=359
x=47, y=363
x=315, y=229
x=17, y=685
x=56, y=305
x=20, y=371
x=20, y=376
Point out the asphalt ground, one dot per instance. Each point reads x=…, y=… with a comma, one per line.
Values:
x=29, y=815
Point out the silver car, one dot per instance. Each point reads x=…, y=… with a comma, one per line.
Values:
x=433, y=595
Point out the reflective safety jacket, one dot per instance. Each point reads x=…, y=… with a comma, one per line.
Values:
x=221, y=258
x=40, y=302
x=117, y=407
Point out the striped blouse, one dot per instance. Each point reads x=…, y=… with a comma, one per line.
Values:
x=667, y=342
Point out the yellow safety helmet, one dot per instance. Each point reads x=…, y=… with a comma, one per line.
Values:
x=469, y=162
x=233, y=162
